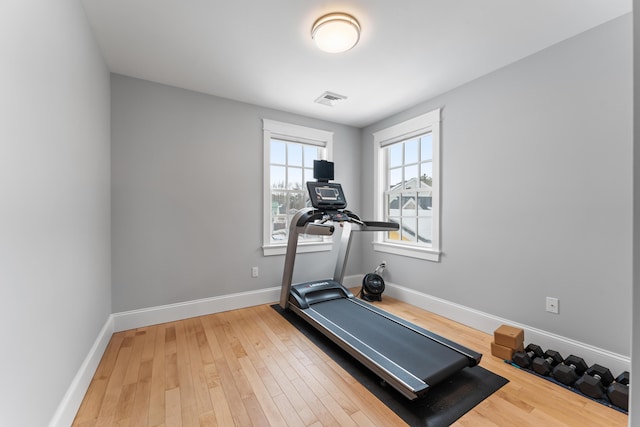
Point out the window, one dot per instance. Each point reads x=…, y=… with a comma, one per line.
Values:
x=407, y=187
x=289, y=152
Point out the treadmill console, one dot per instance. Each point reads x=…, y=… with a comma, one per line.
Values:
x=326, y=196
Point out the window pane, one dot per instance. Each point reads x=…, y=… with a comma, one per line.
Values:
x=310, y=154
x=411, y=151
x=395, y=178
x=409, y=207
x=278, y=177
x=409, y=228
x=426, y=147
x=308, y=175
x=279, y=229
x=279, y=222
x=295, y=179
x=278, y=152
x=426, y=175
x=294, y=154
x=424, y=205
x=411, y=177
x=394, y=235
x=296, y=202
x=393, y=205
x=425, y=225
x=395, y=155
x=278, y=203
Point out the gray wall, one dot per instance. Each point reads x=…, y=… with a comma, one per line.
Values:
x=187, y=195
x=634, y=404
x=536, y=191
x=54, y=214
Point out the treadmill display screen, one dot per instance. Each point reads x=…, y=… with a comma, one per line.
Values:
x=326, y=195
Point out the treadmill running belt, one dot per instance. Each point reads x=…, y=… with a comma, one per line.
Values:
x=423, y=357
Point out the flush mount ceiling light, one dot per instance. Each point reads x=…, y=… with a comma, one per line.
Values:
x=336, y=32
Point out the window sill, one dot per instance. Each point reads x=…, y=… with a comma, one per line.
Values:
x=302, y=248
x=413, y=252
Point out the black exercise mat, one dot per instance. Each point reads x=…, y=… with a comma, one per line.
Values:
x=441, y=406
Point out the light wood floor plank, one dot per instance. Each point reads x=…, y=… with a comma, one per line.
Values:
x=227, y=389
x=173, y=410
x=314, y=403
x=198, y=373
x=116, y=383
x=157, y=387
x=221, y=408
x=251, y=367
x=188, y=404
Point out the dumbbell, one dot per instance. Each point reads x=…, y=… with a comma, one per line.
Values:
x=570, y=370
x=618, y=391
x=594, y=382
x=525, y=358
x=544, y=365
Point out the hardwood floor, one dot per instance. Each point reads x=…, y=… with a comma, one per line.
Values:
x=251, y=367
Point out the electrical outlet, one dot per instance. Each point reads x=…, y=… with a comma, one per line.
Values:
x=552, y=305
x=254, y=271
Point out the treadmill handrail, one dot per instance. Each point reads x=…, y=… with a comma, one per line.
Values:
x=380, y=226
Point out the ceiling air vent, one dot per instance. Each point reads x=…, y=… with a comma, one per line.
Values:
x=330, y=99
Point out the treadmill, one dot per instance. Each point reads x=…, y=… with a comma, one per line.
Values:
x=409, y=358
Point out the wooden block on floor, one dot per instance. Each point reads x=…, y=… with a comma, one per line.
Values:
x=509, y=336
x=504, y=353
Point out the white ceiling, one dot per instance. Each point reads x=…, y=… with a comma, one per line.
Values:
x=261, y=52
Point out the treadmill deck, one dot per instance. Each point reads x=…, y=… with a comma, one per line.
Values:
x=410, y=358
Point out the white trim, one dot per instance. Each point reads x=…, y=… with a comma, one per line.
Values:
x=297, y=133
x=70, y=403
x=171, y=312
x=488, y=323
x=407, y=129
x=408, y=251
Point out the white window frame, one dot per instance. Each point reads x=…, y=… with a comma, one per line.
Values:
x=291, y=133
x=429, y=122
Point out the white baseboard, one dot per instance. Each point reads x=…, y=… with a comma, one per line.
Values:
x=66, y=411
x=184, y=310
x=488, y=323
